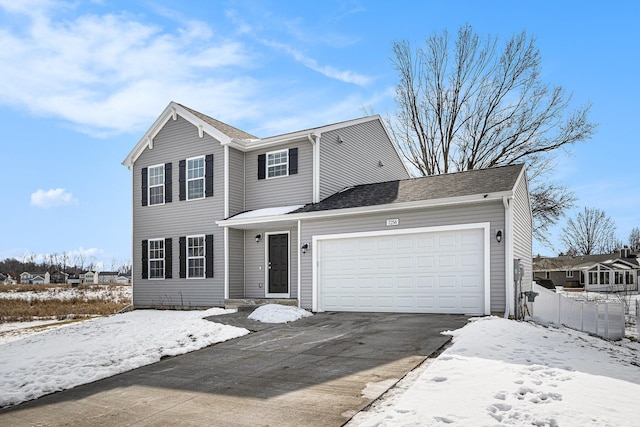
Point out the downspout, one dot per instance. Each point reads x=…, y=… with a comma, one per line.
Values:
x=315, y=142
x=508, y=257
x=226, y=215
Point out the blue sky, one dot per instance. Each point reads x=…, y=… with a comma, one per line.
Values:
x=80, y=83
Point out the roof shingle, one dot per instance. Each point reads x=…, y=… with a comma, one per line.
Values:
x=222, y=127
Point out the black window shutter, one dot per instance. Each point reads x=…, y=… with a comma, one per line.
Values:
x=182, y=169
x=168, y=180
x=208, y=248
x=145, y=181
x=208, y=173
x=262, y=166
x=183, y=257
x=145, y=259
x=293, y=161
x=168, y=258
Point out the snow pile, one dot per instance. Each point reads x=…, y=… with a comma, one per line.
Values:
x=80, y=353
x=502, y=372
x=276, y=313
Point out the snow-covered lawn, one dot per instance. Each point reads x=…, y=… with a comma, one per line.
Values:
x=501, y=372
x=496, y=372
x=115, y=293
x=66, y=356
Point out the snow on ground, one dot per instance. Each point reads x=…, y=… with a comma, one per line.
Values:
x=82, y=352
x=106, y=292
x=501, y=372
x=276, y=313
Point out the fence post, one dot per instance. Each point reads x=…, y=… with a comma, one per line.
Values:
x=597, y=319
x=558, y=297
x=606, y=321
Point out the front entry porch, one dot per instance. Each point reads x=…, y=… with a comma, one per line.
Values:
x=245, y=304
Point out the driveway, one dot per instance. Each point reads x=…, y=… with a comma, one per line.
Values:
x=318, y=371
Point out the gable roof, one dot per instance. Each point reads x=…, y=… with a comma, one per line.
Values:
x=476, y=182
x=221, y=126
x=581, y=262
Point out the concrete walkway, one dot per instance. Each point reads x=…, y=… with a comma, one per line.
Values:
x=318, y=371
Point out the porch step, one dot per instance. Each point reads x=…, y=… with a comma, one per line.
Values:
x=249, y=304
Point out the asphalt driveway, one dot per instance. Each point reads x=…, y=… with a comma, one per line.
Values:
x=318, y=371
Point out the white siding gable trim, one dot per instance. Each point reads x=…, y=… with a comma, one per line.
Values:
x=170, y=113
x=485, y=226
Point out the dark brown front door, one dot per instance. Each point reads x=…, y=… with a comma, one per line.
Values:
x=278, y=263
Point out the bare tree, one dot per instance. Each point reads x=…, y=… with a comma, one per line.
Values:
x=592, y=232
x=470, y=106
x=634, y=239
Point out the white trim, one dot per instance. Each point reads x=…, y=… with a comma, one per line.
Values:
x=267, y=294
x=204, y=258
x=486, y=226
x=418, y=204
x=266, y=163
x=171, y=112
x=226, y=262
x=299, y=255
x=508, y=242
x=226, y=180
x=203, y=177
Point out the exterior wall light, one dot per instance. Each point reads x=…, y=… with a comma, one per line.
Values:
x=499, y=236
x=258, y=238
x=304, y=248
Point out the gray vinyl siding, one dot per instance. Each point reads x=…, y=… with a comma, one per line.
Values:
x=179, y=140
x=522, y=230
x=255, y=268
x=356, y=159
x=236, y=263
x=492, y=212
x=281, y=191
x=236, y=181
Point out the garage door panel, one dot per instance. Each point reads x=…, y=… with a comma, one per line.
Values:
x=430, y=272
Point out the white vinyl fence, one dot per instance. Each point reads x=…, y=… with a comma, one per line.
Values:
x=603, y=319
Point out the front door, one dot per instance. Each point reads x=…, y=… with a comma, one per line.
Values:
x=278, y=264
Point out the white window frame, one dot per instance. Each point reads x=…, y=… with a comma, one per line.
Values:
x=200, y=178
x=268, y=166
x=149, y=186
x=202, y=257
x=569, y=274
x=150, y=259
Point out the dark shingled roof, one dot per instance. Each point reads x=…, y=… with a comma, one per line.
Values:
x=482, y=181
x=222, y=127
x=569, y=262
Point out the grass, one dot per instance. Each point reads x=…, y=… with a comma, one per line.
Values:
x=60, y=302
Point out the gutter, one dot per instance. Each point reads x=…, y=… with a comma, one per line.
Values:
x=508, y=256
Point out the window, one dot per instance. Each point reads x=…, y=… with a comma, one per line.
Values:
x=195, y=257
x=593, y=277
x=195, y=178
x=156, y=259
x=569, y=274
x=618, y=277
x=156, y=185
x=277, y=163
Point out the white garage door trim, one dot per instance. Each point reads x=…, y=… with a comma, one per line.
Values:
x=484, y=226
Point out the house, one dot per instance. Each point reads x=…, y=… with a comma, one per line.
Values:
x=28, y=278
x=59, y=277
x=89, y=278
x=603, y=272
x=328, y=217
x=6, y=279
x=107, y=276
x=123, y=280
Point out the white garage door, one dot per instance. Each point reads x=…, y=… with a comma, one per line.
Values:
x=425, y=272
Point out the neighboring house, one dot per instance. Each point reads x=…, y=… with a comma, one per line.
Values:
x=107, y=276
x=89, y=278
x=605, y=272
x=123, y=280
x=59, y=277
x=74, y=280
x=326, y=216
x=28, y=278
x=6, y=279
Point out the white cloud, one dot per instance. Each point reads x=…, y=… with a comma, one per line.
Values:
x=51, y=198
x=108, y=74
x=346, y=76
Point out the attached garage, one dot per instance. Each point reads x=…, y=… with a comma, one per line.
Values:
x=419, y=270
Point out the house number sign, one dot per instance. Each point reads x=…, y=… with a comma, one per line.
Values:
x=393, y=221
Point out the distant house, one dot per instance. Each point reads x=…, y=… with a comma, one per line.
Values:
x=107, y=276
x=89, y=278
x=74, y=280
x=29, y=278
x=123, y=280
x=59, y=277
x=6, y=279
x=604, y=272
